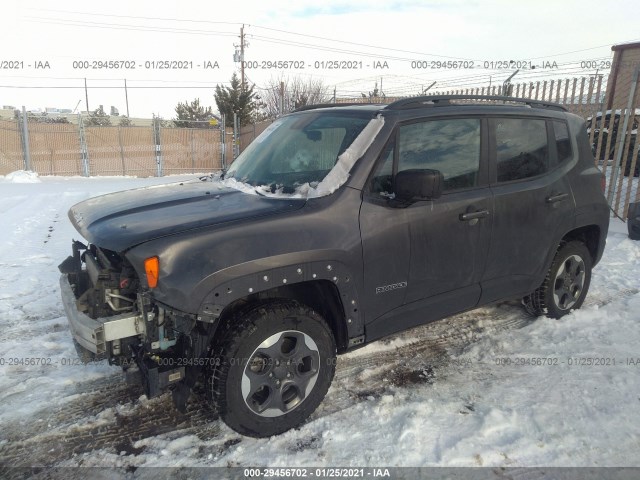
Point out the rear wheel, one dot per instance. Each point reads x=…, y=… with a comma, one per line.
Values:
x=566, y=285
x=275, y=364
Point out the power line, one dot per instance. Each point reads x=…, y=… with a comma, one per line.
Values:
x=102, y=87
x=260, y=37
x=378, y=47
x=133, y=16
x=94, y=79
x=115, y=26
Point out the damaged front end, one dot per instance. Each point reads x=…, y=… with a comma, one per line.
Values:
x=113, y=317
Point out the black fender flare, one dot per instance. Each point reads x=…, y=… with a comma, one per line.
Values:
x=225, y=286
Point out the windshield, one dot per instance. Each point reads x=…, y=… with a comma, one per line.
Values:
x=297, y=150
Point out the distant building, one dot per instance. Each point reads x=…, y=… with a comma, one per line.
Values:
x=7, y=112
x=626, y=60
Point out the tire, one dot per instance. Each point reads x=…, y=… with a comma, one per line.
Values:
x=633, y=220
x=274, y=364
x=566, y=285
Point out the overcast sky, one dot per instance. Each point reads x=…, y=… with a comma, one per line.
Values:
x=412, y=37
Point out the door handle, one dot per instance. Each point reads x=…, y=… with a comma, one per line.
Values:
x=465, y=217
x=557, y=198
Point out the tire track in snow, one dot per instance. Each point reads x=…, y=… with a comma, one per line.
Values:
x=108, y=414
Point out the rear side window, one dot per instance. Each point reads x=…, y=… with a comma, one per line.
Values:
x=563, y=142
x=450, y=146
x=521, y=148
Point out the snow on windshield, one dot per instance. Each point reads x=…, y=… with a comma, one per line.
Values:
x=337, y=177
x=340, y=172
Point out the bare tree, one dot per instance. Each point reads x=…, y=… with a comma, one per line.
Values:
x=285, y=94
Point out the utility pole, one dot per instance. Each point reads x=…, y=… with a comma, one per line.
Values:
x=86, y=94
x=126, y=96
x=239, y=56
x=242, y=55
x=281, y=98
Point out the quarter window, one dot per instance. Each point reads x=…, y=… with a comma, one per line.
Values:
x=521, y=148
x=563, y=142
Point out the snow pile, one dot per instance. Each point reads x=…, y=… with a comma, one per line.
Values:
x=491, y=387
x=22, y=176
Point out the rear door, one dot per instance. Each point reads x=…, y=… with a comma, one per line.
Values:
x=532, y=202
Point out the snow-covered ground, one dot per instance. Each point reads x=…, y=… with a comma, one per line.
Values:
x=491, y=387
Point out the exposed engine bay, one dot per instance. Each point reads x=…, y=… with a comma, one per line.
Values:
x=113, y=318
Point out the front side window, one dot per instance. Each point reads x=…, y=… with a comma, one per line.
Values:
x=450, y=146
x=521, y=148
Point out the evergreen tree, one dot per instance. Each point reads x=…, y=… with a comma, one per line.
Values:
x=193, y=115
x=238, y=99
x=98, y=118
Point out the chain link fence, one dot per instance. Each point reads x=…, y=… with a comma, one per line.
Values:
x=75, y=149
x=11, y=151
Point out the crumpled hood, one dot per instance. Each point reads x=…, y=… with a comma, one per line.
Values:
x=121, y=220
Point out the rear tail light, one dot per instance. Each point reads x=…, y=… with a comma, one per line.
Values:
x=152, y=269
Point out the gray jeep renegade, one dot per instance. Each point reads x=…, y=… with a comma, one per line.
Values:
x=339, y=225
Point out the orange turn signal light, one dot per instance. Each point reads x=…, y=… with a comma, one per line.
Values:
x=152, y=269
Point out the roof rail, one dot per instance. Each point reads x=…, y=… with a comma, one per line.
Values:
x=445, y=100
x=329, y=105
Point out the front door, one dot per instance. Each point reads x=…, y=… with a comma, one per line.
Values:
x=425, y=261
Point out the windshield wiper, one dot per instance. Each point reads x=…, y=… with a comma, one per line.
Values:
x=212, y=176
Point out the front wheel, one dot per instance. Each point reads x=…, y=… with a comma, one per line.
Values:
x=274, y=366
x=566, y=285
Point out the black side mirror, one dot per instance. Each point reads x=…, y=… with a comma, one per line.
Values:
x=418, y=184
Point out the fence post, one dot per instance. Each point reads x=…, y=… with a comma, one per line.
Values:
x=25, y=140
x=84, y=152
x=621, y=137
x=156, y=141
x=193, y=152
x=223, y=142
x=236, y=136
x=124, y=167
